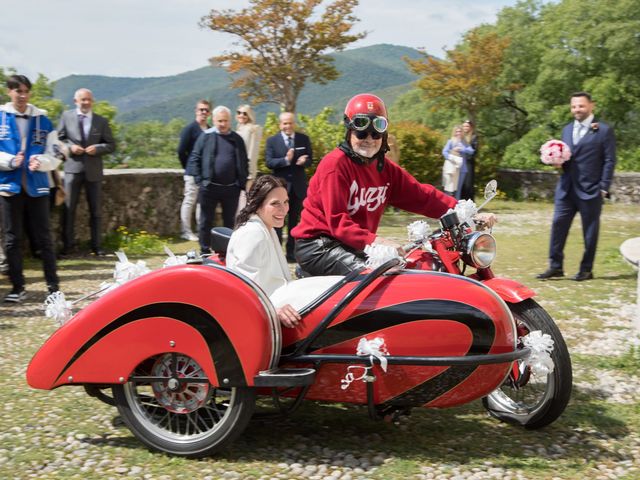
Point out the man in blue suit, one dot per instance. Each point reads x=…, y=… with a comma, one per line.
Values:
x=288, y=154
x=583, y=185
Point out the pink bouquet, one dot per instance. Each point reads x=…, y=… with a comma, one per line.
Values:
x=555, y=152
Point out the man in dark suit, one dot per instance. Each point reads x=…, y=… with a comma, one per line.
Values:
x=88, y=137
x=220, y=167
x=288, y=153
x=584, y=183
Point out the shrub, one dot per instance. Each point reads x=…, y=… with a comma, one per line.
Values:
x=420, y=151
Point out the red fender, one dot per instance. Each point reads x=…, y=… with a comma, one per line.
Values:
x=209, y=313
x=509, y=290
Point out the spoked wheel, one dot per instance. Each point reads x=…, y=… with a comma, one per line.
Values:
x=175, y=409
x=527, y=399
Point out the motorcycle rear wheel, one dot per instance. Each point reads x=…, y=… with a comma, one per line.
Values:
x=191, y=419
x=530, y=401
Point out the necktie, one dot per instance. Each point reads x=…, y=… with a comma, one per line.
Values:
x=578, y=133
x=289, y=142
x=81, y=125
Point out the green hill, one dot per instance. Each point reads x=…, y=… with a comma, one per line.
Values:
x=378, y=69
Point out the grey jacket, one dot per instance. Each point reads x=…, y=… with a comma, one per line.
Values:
x=99, y=135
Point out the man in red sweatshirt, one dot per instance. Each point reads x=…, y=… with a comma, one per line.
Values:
x=350, y=190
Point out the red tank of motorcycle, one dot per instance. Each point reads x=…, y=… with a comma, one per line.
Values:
x=206, y=312
x=417, y=313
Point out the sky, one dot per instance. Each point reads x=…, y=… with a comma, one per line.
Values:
x=149, y=38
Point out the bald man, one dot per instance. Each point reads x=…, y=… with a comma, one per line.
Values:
x=88, y=137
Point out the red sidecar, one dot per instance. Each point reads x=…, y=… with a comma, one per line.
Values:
x=186, y=350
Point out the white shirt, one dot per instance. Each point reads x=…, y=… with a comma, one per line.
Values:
x=585, y=124
x=87, y=121
x=286, y=137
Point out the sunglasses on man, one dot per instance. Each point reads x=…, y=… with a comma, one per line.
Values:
x=205, y=110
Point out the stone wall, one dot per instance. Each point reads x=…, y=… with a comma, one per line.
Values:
x=530, y=185
x=150, y=199
x=141, y=199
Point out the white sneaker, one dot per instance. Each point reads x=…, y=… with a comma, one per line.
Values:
x=17, y=295
x=189, y=236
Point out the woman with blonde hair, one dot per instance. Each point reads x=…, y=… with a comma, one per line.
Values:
x=251, y=133
x=454, y=170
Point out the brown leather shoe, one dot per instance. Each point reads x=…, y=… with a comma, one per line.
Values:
x=582, y=276
x=549, y=273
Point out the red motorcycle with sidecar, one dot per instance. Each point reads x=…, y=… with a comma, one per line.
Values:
x=186, y=350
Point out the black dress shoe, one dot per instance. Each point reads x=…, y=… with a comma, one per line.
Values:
x=581, y=276
x=549, y=273
x=99, y=253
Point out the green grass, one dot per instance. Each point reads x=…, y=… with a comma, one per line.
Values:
x=594, y=430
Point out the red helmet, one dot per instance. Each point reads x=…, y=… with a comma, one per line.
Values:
x=365, y=104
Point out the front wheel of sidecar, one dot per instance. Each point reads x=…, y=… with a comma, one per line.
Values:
x=524, y=398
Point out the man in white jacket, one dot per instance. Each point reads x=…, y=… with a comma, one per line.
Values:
x=27, y=140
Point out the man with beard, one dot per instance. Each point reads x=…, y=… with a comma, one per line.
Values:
x=584, y=183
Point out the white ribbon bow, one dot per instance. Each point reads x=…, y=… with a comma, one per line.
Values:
x=173, y=259
x=375, y=348
x=466, y=210
x=378, y=254
x=58, y=308
x=541, y=345
x=418, y=230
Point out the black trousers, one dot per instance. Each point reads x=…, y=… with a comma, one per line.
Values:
x=327, y=256
x=209, y=196
x=37, y=214
x=293, y=218
x=73, y=183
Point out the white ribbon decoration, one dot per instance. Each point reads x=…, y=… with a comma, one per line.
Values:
x=173, y=259
x=350, y=377
x=123, y=272
x=375, y=348
x=58, y=308
x=466, y=210
x=418, y=230
x=378, y=254
x=541, y=345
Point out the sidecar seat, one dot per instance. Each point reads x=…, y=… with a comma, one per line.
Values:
x=220, y=239
x=300, y=293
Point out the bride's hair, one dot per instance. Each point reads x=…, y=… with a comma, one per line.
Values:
x=257, y=195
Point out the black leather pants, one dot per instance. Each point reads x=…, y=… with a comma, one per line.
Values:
x=327, y=256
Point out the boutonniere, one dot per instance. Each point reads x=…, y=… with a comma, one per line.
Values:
x=595, y=127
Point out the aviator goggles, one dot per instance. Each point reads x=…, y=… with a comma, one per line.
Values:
x=361, y=123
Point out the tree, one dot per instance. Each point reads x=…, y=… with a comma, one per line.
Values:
x=281, y=48
x=467, y=79
x=41, y=93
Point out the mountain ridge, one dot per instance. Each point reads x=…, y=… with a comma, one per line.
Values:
x=376, y=69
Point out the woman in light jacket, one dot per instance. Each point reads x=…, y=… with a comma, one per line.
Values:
x=251, y=133
x=254, y=249
x=455, y=153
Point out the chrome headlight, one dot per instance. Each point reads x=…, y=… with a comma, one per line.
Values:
x=479, y=249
